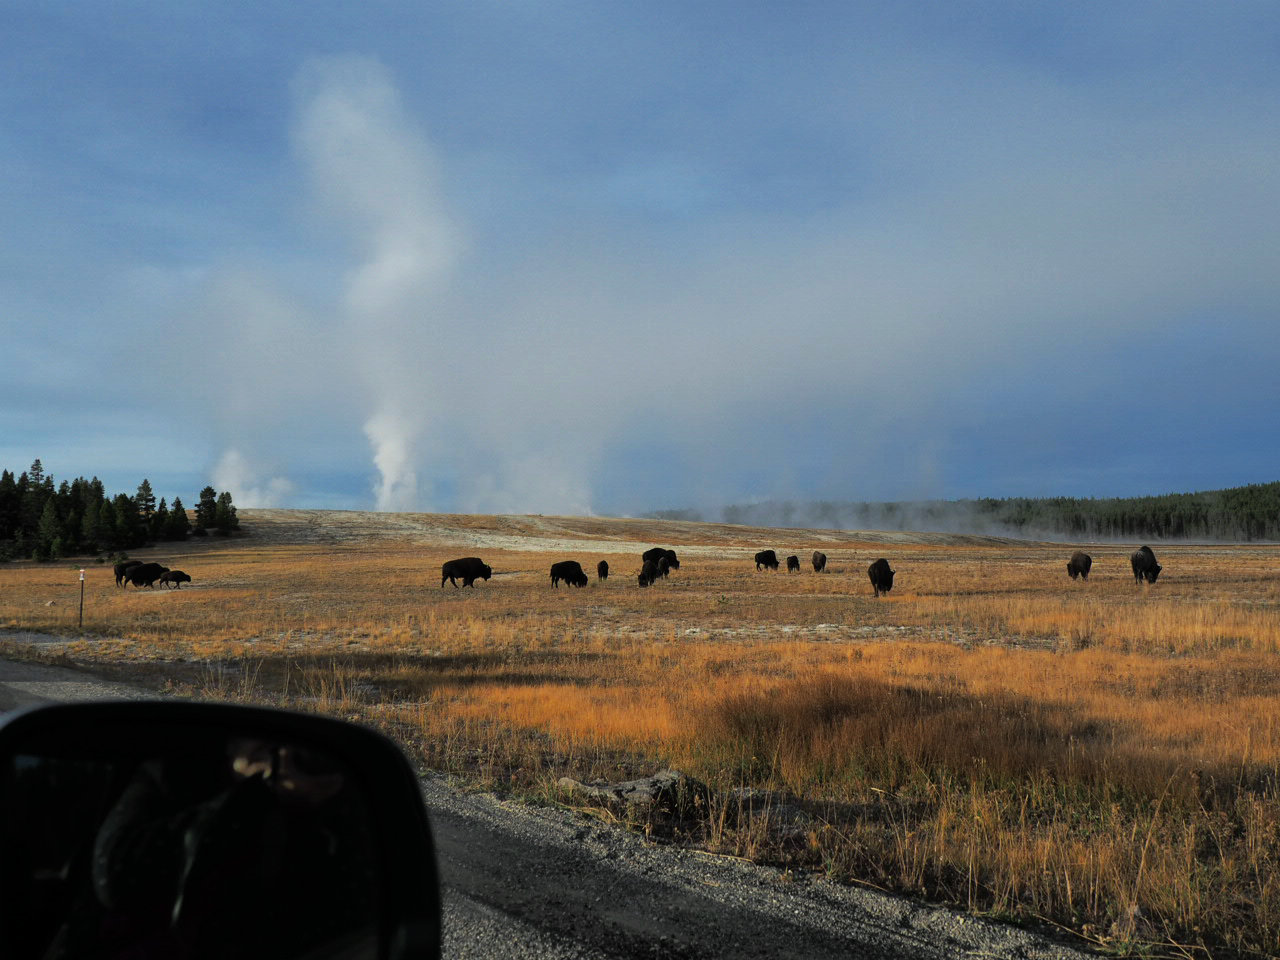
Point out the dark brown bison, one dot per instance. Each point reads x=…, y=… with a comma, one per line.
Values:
x=793, y=563
x=144, y=574
x=174, y=578
x=657, y=553
x=881, y=576
x=602, y=570
x=819, y=561
x=648, y=573
x=570, y=571
x=467, y=569
x=120, y=569
x=1144, y=565
x=1079, y=564
x=767, y=559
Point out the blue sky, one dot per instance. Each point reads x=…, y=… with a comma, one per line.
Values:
x=612, y=257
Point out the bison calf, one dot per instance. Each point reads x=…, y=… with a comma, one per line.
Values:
x=602, y=570
x=793, y=563
x=1079, y=565
x=570, y=571
x=174, y=578
x=467, y=569
x=881, y=576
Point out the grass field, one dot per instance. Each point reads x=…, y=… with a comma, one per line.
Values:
x=1102, y=756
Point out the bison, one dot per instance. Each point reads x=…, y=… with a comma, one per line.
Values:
x=468, y=569
x=881, y=576
x=570, y=571
x=1079, y=564
x=657, y=553
x=767, y=559
x=121, y=569
x=793, y=563
x=144, y=574
x=819, y=561
x=1144, y=565
x=648, y=573
x=602, y=570
x=174, y=578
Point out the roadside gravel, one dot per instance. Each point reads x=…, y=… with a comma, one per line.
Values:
x=588, y=889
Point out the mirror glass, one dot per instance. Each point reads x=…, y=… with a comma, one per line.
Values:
x=212, y=845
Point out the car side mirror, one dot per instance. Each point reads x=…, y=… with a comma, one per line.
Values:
x=149, y=829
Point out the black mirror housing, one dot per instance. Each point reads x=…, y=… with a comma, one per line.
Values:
x=190, y=829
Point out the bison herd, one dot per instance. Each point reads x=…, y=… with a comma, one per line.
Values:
x=657, y=563
x=148, y=575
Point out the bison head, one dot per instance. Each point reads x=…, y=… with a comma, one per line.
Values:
x=1153, y=572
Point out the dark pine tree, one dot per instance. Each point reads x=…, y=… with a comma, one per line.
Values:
x=207, y=510
x=178, y=526
x=225, y=519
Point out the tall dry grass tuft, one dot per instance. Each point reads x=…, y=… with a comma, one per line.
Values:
x=1012, y=806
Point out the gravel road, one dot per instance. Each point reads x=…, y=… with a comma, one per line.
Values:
x=547, y=882
x=534, y=882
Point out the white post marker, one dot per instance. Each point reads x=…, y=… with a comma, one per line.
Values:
x=82, y=598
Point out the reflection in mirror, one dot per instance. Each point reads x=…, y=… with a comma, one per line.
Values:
x=219, y=847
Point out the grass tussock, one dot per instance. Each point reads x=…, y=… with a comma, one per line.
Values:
x=1103, y=755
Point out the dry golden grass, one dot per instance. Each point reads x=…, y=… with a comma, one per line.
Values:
x=1104, y=755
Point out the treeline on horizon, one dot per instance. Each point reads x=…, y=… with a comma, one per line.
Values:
x=44, y=520
x=1237, y=514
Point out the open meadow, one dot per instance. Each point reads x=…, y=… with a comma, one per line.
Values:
x=1102, y=756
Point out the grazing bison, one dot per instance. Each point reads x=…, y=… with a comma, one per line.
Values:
x=1144, y=565
x=881, y=576
x=121, y=569
x=767, y=559
x=1079, y=564
x=793, y=563
x=144, y=574
x=468, y=569
x=819, y=561
x=174, y=578
x=664, y=566
x=602, y=570
x=570, y=571
x=648, y=573
x=657, y=553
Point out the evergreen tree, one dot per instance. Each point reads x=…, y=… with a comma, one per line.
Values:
x=48, y=530
x=92, y=536
x=10, y=505
x=178, y=526
x=129, y=529
x=146, y=501
x=207, y=510
x=107, y=538
x=36, y=489
x=159, y=523
x=225, y=519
